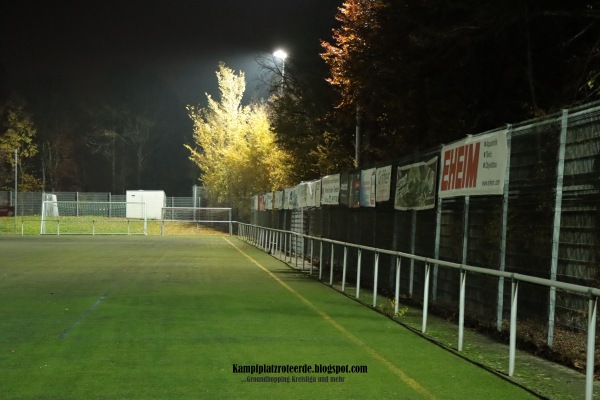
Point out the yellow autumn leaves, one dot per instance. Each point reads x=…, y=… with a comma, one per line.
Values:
x=235, y=147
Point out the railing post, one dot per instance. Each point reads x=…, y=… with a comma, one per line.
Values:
x=303, y=252
x=285, y=245
x=321, y=260
x=312, y=254
x=344, y=268
x=331, y=265
x=513, y=327
x=425, y=297
x=591, y=346
x=375, y=277
x=461, y=308
x=358, y=265
x=290, y=245
x=397, y=290
x=296, y=250
x=278, y=245
x=272, y=241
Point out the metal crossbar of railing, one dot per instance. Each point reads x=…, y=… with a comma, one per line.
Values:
x=281, y=241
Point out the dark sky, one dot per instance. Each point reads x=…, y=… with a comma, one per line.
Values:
x=180, y=40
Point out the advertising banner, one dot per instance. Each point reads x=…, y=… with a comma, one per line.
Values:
x=287, y=199
x=415, y=186
x=354, y=189
x=313, y=196
x=330, y=186
x=383, y=184
x=474, y=166
x=301, y=190
x=268, y=201
x=278, y=200
x=367, y=187
x=318, y=193
x=293, y=202
x=344, y=189
x=261, y=202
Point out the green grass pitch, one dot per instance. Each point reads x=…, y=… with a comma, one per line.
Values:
x=85, y=317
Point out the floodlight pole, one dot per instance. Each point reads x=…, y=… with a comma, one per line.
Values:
x=357, y=137
x=16, y=187
x=282, y=55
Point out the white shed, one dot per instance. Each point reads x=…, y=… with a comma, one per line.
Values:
x=155, y=200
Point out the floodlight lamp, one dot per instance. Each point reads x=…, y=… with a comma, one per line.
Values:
x=280, y=54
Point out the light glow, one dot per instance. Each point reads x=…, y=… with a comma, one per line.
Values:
x=280, y=54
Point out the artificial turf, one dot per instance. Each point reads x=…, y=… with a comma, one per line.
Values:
x=176, y=317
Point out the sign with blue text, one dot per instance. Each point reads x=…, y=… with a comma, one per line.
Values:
x=330, y=188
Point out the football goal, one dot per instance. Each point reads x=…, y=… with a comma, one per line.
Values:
x=207, y=218
x=93, y=218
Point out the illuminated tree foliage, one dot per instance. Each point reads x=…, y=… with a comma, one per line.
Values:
x=424, y=72
x=236, y=147
x=17, y=132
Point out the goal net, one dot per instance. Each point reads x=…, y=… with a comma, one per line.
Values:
x=93, y=218
x=203, y=219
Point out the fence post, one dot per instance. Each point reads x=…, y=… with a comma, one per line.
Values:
x=560, y=168
x=413, y=234
x=502, y=266
x=465, y=241
x=436, y=254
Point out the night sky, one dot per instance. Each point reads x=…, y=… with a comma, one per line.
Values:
x=182, y=41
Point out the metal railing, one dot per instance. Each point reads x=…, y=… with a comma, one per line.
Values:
x=280, y=241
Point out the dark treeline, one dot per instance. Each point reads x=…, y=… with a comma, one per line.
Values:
x=122, y=129
x=422, y=73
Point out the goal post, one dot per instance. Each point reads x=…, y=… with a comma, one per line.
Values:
x=93, y=218
x=218, y=218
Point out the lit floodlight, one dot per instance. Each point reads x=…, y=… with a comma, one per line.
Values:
x=280, y=54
